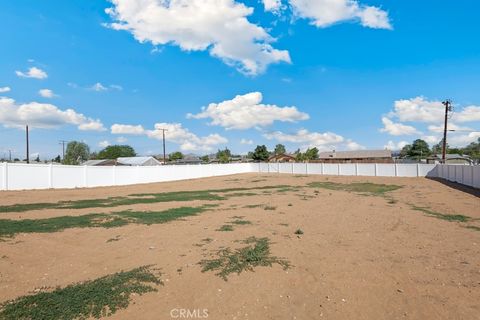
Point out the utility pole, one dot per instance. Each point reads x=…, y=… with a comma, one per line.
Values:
x=164, y=154
x=28, y=152
x=10, y=155
x=448, y=108
x=62, y=142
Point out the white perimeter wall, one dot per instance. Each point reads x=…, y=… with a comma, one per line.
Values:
x=44, y=176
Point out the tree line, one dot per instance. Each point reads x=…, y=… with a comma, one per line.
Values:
x=419, y=149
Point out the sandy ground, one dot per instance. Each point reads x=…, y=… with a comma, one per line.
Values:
x=360, y=257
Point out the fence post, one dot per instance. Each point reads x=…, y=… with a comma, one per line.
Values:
x=356, y=169
x=293, y=166
x=418, y=170
x=396, y=170
x=306, y=168
x=338, y=169
x=322, y=170
x=5, y=176
x=50, y=175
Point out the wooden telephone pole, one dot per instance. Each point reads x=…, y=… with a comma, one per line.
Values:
x=28, y=147
x=448, y=108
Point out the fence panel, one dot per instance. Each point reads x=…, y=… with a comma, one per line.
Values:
x=285, y=167
x=347, y=169
x=68, y=176
x=386, y=170
x=330, y=168
x=300, y=168
x=315, y=168
x=366, y=169
x=406, y=170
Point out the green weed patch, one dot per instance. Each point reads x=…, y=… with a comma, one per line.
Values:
x=96, y=298
x=9, y=228
x=256, y=254
x=357, y=187
x=443, y=216
x=140, y=198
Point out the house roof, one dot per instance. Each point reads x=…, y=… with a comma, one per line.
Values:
x=359, y=154
x=450, y=156
x=96, y=162
x=281, y=155
x=138, y=161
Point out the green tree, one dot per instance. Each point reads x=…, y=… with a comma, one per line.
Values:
x=405, y=151
x=419, y=149
x=57, y=159
x=438, y=148
x=473, y=150
x=311, y=154
x=205, y=158
x=279, y=149
x=175, y=156
x=260, y=153
x=116, y=151
x=224, y=156
x=76, y=152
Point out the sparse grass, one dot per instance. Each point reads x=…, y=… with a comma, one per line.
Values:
x=269, y=208
x=298, y=232
x=225, y=227
x=241, y=222
x=357, y=187
x=443, y=216
x=252, y=206
x=140, y=198
x=473, y=228
x=256, y=254
x=9, y=228
x=258, y=180
x=116, y=238
x=284, y=224
x=95, y=298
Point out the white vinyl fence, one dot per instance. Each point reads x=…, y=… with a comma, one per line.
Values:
x=14, y=176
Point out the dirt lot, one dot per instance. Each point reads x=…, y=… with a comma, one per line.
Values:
x=410, y=253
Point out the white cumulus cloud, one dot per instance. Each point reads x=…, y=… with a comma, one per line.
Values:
x=33, y=72
x=420, y=109
x=46, y=93
x=324, y=13
x=104, y=143
x=246, y=141
x=397, y=129
x=306, y=139
x=98, y=87
x=395, y=146
x=220, y=27
x=4, y=89
x=174, y=132
x=43, y=115
x=127, y=129
x=247, y=111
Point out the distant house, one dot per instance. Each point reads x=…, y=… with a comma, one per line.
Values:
x=102, y=162
x=138, y=161
x=450, y=159
x=282, y=157
x=360, y=156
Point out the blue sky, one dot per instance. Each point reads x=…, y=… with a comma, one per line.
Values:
x=326, y=73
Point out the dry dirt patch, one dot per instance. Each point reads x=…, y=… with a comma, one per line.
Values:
x=361, y=253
